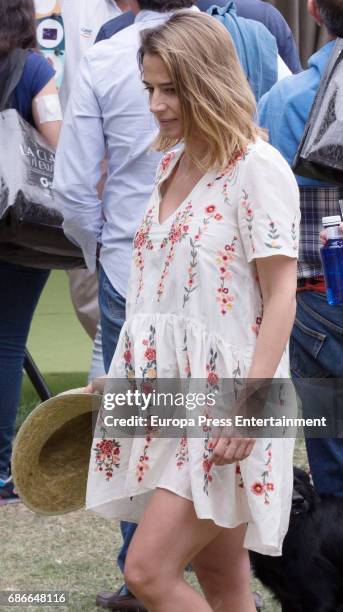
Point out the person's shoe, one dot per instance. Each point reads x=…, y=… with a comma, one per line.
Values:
x=258, y=601
x=121, y=600
x=8, y=494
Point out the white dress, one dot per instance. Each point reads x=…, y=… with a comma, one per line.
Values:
x=193, y=312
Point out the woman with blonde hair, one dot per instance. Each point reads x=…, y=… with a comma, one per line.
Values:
x=211, y=298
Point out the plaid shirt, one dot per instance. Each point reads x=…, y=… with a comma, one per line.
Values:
x=315, y=203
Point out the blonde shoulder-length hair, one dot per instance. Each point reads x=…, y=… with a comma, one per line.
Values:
x=217, y=104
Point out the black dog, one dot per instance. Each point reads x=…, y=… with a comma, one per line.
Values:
x=309, y=575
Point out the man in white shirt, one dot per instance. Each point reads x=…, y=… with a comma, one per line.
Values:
x=82, y=20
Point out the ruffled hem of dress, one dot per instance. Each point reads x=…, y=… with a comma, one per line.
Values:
x=106, y=510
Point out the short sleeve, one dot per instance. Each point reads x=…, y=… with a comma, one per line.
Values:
x=38, y=72
x=268, y=206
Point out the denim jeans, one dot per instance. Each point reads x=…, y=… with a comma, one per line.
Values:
x=316, y=351
x=112, y=317
x=97, y=368
x=21, y=289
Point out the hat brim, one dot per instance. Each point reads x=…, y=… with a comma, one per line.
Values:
x=51, y=453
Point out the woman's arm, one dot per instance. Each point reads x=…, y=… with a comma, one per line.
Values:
x=278, y=281
x=49, y=129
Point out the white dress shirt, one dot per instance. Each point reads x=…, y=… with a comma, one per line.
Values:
x=82, y=21
x=108, y=112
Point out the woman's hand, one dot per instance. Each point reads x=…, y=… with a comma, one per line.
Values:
x=96, y=386
x=324, y=235
x=230, y=450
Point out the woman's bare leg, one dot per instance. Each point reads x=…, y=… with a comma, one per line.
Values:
x=223, y=570
x=167, y=538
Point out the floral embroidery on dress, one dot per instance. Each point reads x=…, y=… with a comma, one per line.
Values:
x=107, y=457
x=129, y=369
x=230, y=173
x=294, y=234
x=225, y=193
x=212, y=383
x=149, y=370
x=149, y=376
x=187, y=367
x=273, y=235
x=177, y=233
x=143, y=463
x=164, y=165
x=182, y=453
x=142, y=241
x=265, y=486
x=249, y=216
x=224, y=258
x=239, y=475
x=256, y=326
x=207, y=452
x=211, y=368
x=195, y=242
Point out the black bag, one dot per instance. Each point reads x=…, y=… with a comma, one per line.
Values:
x=31, y=231
x=320, y=152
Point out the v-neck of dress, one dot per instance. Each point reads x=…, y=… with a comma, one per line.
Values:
x=189, y=196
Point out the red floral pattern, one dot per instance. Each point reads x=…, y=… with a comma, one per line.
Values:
x=212, y=384
x=195, y=242
x=141, y=242
x=178, y=231
x=256, y=326
x=182, y=453
x=211, y=368
x=127, y=356
x=164, y=165
x=239, y=475
x=149, y=376
x=265, y=486
x=149, y=370
x=207, y=452
x=249, y=217
x=143, y=463
x=107, y=457
x=224, y=258
x=231, y=174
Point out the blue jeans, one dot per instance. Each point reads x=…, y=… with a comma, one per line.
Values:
x=21, y=289
x=112, y=317
x=316, y=351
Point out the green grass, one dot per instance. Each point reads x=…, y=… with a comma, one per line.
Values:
x=75, y=552
x=57, y=341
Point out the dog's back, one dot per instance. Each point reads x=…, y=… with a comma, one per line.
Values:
x=309, y=575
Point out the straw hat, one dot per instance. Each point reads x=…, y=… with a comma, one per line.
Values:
x=51, y=453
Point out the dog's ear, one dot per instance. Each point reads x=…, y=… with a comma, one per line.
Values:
x=303, y=491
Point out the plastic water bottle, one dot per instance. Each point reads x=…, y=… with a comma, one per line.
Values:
x=332, y=260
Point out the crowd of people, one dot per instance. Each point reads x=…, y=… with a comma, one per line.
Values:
x=181, y=121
